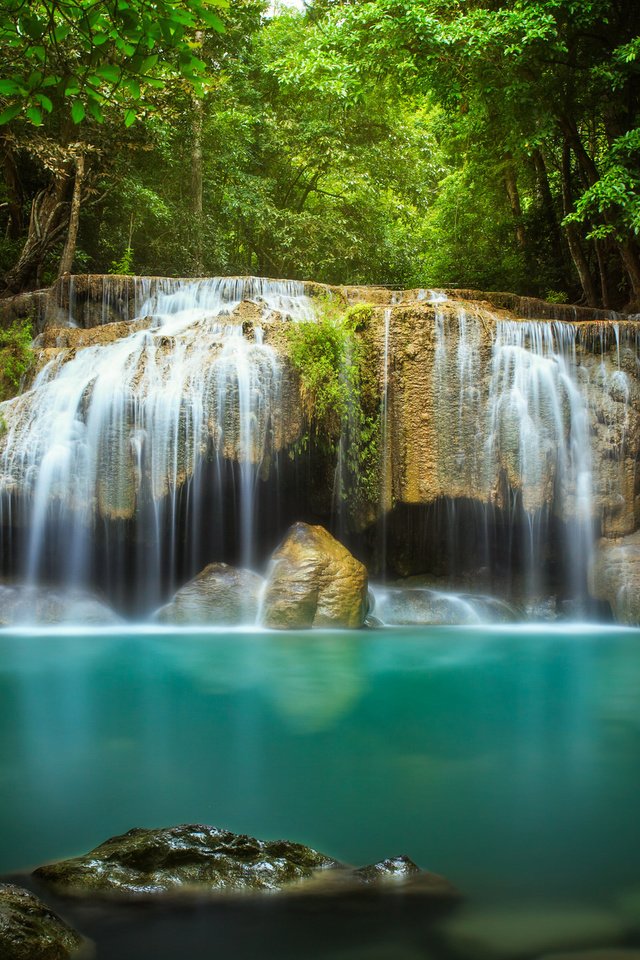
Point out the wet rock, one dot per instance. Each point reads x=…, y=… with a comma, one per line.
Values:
x=314, y=582
x=420, y=606
x=615, y=577
x=29, y=930
x=219, y=594
x=525, y=931
x=201, y=859
x=49, y=606
x=187, y=857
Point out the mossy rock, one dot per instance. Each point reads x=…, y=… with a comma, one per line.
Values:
x=197, y=859
x=29, y=930
x=190, y=856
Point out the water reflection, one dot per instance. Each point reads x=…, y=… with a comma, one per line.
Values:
x=508, y=761
x=318, y=679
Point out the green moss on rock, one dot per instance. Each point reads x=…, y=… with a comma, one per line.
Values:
x=29, y=930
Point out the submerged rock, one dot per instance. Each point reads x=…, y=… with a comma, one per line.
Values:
x=525, y=931
x=188, y=856
x=202, y=859
x=49, y=606
x=314, y=582
x=29, y=930
x=615, y=577
x=219, y=594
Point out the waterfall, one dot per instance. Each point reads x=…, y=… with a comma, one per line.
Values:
x=123, y=441
x=517, y=407
x=386, y=486
x=538, y=438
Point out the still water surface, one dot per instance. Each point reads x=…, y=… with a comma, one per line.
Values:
x=506, y=759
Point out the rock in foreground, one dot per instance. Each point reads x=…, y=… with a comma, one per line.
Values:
x=219, y=594
x=314, y=582
x=203, y=859
x=29, y=930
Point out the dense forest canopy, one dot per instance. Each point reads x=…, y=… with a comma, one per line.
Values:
x=476, y=143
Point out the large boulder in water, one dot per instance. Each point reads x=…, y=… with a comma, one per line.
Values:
x=52, y=606
x=219, y=594
x=314, y=582
x=179, y=858
x=29, y=930
x=202, y=859
x=615, y=577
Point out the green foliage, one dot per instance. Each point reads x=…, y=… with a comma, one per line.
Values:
x=338, y=387
x=405, y=142
x=613, y=201
x=123, y=266
x=555, y=296
x=85, y=55
x=16, y=356
x=322, y=353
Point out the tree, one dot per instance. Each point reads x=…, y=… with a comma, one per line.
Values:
x=554, y=83
x=82, y=62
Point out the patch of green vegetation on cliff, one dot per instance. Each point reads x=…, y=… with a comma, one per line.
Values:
x=338, y=386
x=16, y=356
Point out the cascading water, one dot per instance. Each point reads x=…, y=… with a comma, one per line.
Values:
x=148, y=447
x=515, y=406
x=124, y=442
x=538, y=438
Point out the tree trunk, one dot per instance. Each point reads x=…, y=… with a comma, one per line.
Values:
x=573, y=234
x=14, y=193
x=626, y=248
x=631, y=261
x=602, y=270
x=511, y=185
x=549, y=207
x=197, y=177
x=49, y=212
x=69, y=252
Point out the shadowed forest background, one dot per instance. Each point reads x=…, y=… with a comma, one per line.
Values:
x=479, y=143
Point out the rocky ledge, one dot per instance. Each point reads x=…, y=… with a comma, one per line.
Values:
x=200, y=859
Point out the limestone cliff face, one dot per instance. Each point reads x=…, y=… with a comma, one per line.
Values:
x=483, y=397
x=482, y=405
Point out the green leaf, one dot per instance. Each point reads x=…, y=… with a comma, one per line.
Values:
x=77, y=112
x=9, y=113
x=7, y=87
x=99, y=39
x=129, y=117
x=133, y=87
x=95, y=112
x=61, y=31
x=148, y=63
x=109, y=72
x=45, y=101
x=35, y=116
x=212, y=20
